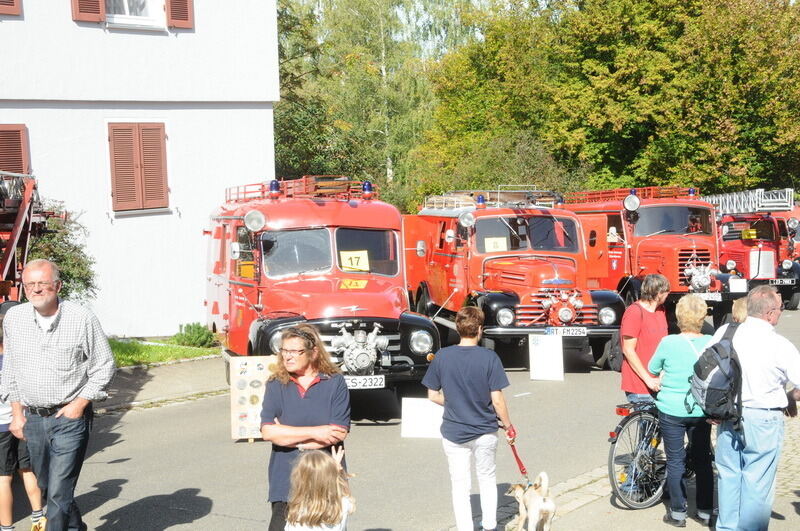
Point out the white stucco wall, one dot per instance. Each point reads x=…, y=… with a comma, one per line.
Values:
x=230, y=55
x=213, y=87
x=151, y=267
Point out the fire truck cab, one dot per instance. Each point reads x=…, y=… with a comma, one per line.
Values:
x=524, y=265
x=755, y=243
x=631, y=233
x=321, y=251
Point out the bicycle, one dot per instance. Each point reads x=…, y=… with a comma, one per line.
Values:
x=637, y=464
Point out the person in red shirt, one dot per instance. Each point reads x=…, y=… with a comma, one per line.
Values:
x=643, y=326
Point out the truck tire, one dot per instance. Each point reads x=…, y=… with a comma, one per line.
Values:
x=794, y=301
x=422, y=302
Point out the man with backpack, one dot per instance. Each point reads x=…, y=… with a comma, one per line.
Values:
x=747, y=455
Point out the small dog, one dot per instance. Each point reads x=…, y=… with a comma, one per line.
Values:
x=535, y=505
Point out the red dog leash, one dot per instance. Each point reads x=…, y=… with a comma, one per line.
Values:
x=512, y=433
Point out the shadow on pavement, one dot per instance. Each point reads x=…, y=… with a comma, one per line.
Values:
x=103, y=491
x=158, y=512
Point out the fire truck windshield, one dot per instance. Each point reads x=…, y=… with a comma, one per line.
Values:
x=673, y=220
x=539, y=233
x=367, y=251
x=292, y=252
x=764, y=229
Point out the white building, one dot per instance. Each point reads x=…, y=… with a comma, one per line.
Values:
x=138, y=114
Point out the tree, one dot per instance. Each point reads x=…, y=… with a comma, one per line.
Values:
x=63, y=244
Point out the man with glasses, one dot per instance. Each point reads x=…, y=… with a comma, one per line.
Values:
x=57, y=361
x=747, y=465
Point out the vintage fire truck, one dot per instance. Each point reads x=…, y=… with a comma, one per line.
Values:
x=318, y=250
x=524, y=264
x=631, y=233
x=755, y=243
x=21, y=217
x=788, y=222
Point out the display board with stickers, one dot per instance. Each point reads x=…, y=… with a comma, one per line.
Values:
x=248, y=375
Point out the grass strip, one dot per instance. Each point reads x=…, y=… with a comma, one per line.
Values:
x=127, y=353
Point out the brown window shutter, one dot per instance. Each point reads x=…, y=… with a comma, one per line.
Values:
x=154, y=166
x=14, y=154
x=180, y=13
x=89, y=10
x=126, y=190
x=10, y=7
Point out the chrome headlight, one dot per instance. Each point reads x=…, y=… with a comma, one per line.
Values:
x=466, y=219
x=566, y=315
x=607, y=316
x=275, y=342
x=792, y=223
x=730, y=264
x=255, y=220
x=786, y=264
x=631, y=203
x=421, y=342
x=505, y=316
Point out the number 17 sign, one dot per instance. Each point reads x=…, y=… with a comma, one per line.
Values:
x=354, y=261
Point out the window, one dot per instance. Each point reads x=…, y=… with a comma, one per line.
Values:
x=138, y=166
x=547, y=233
x=367, y=251
x=501, y=234
x=655, y=220
x=135, y=14
x=10, y=7
x=294, y=252
x=14, y=155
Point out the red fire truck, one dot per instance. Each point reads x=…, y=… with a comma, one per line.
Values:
x=21, y=217
x=755, y=244
x=522, y=263
x=318, y=250
x=788, y=222
x=631, y=233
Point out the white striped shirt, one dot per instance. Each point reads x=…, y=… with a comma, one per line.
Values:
x=45, y=368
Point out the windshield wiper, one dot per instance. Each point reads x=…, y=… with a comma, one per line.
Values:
x=659, y=232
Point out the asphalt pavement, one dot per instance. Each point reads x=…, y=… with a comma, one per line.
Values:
x=582, y=492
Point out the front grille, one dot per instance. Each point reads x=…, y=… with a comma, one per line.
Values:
x=534, y=314
x=696, y=256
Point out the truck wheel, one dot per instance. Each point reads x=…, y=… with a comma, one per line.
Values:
x=794, y=301
x=600, y=348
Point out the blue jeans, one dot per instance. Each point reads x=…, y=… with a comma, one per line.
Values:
x=747, y=474
x=57, y=447
x=673, y=430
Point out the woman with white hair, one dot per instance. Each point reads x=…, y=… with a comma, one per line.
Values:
x=680, y=416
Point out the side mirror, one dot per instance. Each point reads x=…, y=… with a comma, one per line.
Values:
x=450, y=236
x=236, y=250
x=612, y=231
x=421, y=248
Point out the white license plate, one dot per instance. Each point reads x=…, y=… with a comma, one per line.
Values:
x=737, y=285
x=565, y=331
x=781, y=282
x=366, y=382
x=715, y=296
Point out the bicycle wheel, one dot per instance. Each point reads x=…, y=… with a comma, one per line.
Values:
x=637, y=464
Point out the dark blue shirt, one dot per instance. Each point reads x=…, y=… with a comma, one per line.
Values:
x=327, y=401
x=467, y=376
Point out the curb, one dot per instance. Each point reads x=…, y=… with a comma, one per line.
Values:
x=158, y=402
x=170, y=362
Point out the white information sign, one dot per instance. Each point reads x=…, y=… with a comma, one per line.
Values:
x=248, y=375
x=737, y=285
x=421, y=418
x=546, y=354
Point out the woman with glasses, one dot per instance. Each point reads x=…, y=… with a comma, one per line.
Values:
x=306, y=407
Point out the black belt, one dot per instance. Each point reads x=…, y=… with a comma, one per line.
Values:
x=766, y=408
x=45, y=411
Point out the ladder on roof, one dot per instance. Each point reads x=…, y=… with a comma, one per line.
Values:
x=644, y=192
x=505, y=195
x=748, y=201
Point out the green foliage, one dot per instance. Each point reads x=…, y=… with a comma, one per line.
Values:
x=131, y=352
x=194, y=335
x=64, y=244
x=428, y=95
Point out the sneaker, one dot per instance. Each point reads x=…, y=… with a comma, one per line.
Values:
x=673, y=522
x=41, y=525
x=704, y=521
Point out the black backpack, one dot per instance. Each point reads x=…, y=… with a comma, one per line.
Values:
x=615, y=354
x=716, y=381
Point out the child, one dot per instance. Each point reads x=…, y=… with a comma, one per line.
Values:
x=14, y=456
x=320, y=496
